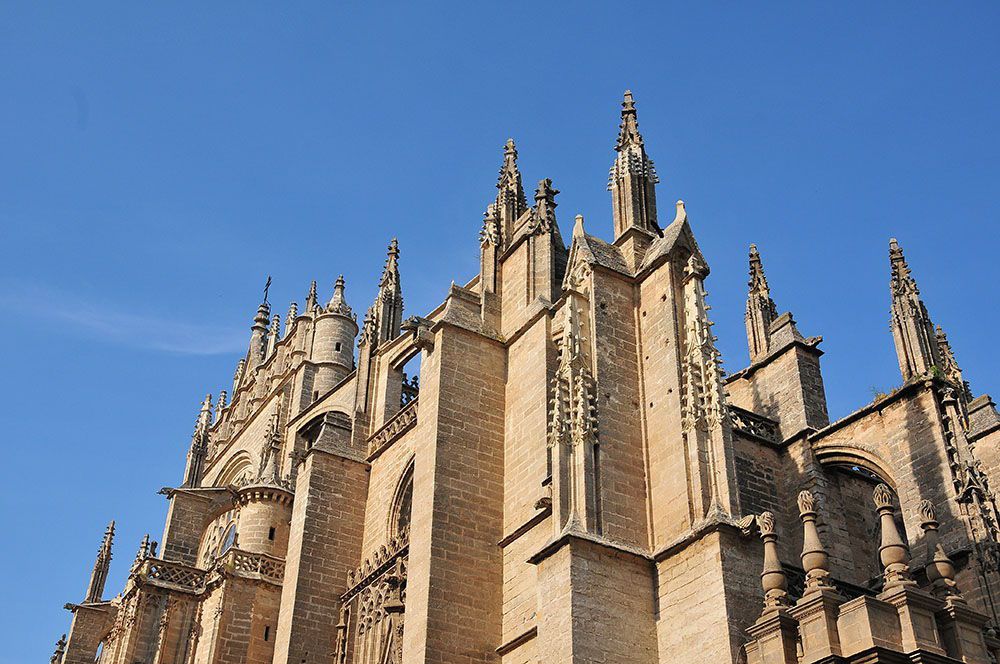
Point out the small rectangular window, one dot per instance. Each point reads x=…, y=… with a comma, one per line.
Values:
x=267, y=632
x=270, y=534
x=336, y=346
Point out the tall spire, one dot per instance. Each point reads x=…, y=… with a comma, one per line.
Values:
x=258, y=333
x=632, y=179
x=338, y=304
x=912, y=330
x=311, y=299
x=511, y=202
x=293, y=313
x=760, y=310
x=199, y=445
x=95, y=590
x=388, y=307
x=273, y=335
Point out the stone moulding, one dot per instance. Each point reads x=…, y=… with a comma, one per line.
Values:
x=754, y=425
x=376, y=566
x=392, y=430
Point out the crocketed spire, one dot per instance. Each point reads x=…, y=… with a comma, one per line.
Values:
x=312, y=299
x=760, y=309
x=387, y=311
x=510, y=202
x=258, y=333
x=632, y=179
x=95, y=590
x=912, y=330
x=199, y=445
x=337, y=304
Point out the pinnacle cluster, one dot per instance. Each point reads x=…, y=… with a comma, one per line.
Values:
x=551, y=466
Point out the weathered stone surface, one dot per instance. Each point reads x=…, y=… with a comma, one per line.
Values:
x=578, y=481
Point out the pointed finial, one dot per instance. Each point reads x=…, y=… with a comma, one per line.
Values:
x=275, y=326
x=901, y=278
x=311, y=299
x=893, y=552
x=99, y=577
x=221, y=405
x=629, y=129
x=142, y=553
x=293, y=313
x=509, y=157
x=337, y=303
x=758, y=281
x=510, y=202
x=578, y=226
x=238, y=374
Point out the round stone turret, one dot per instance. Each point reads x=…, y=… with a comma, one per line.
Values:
x=334, y=331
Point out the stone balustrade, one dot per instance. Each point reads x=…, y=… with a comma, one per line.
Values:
x=754, y=425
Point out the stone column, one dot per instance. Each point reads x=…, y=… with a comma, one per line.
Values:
x=817, y=610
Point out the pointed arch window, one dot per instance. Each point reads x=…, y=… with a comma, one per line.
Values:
x=402, y=504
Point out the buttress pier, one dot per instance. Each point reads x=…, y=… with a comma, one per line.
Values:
x=553, y=467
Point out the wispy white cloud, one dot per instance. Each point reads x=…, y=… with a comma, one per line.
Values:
x=112, y=324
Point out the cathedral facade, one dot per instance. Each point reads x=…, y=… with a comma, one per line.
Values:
x=552, y=467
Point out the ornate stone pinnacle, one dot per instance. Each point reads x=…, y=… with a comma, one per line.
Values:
x=815, y=560
x=338, y=304
x=628, y=133
x=772, y=576
x=312, y=300
x=293, y=313
x=939, y=568
x=893, y=552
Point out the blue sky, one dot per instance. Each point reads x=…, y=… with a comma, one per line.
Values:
x=159, y=162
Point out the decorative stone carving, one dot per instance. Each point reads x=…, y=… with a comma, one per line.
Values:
x=815, y=560
x=893, y=552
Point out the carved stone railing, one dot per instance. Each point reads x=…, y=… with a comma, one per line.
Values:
x=401, y=422
x=257, y=566
x=754, y=425
x=410, y=390
x=172, y=575
x=375, y=566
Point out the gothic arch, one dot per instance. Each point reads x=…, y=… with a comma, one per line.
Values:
x=832, y=455
x=402, y=501
x=235, y=469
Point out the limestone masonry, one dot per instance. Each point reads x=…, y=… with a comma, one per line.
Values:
x=552, y=467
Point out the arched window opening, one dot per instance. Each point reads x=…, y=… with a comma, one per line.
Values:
x=403, y=504
x=228, y=539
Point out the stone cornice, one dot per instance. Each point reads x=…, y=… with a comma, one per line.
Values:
x=569, y=536
x=878, y=404
x=711, y=524
x=518, y=640
x=525, y=527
